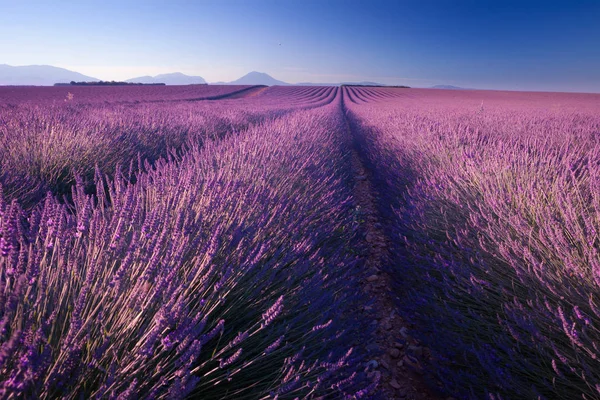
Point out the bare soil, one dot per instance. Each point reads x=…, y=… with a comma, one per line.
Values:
x=401, y=376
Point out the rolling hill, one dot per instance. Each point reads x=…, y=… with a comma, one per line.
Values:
x=39, y=75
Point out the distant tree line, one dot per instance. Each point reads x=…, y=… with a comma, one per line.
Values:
x=107, y=83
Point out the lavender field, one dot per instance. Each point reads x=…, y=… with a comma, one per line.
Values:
x=211, y=242
x=492, y=200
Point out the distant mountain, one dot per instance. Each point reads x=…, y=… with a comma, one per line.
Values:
x=260, y=78
x=176, y=78
x=39, y=75
x=448, y=87
x=257, y=78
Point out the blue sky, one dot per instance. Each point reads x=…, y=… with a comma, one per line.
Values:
x=515, y=45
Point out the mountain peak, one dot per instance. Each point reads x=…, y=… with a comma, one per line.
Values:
x=257, y=78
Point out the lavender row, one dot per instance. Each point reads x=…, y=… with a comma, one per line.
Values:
x=494, y=212
x=111, y=94
x=42, y=147
x=227, y=274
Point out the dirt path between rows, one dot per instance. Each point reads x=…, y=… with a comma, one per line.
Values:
x=400, y=376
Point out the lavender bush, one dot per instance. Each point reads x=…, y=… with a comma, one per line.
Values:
x=223, y=273
x=493, y=205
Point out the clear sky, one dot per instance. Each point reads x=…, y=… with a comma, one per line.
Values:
x=515, y=45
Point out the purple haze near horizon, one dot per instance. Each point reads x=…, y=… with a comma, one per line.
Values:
x=548, y=46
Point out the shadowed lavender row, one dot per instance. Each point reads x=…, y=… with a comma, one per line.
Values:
x=226, y=274
x=492, y=200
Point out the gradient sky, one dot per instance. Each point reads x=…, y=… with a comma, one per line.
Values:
x=515, y=45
